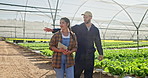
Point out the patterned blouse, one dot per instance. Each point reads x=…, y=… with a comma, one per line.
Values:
x=56, y=58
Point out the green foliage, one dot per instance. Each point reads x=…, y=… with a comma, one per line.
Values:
x=112, y=45
x=117, y=62
x=124, y=61
x=34, y=44
x=47, y=52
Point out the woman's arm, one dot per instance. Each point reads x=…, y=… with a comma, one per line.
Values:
x=74, y=49
x=56, y=49
x=70, y=51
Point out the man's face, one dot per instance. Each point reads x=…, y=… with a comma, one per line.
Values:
x=87, y=19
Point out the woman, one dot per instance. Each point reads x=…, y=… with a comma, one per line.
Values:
x=62, y=60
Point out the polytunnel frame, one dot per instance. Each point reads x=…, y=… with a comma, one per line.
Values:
x=123, y=9
x=53, y=18
x=137, y=27
x=25, y=13
x=118, y=21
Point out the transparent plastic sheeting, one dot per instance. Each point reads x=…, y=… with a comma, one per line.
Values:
x=116, y=19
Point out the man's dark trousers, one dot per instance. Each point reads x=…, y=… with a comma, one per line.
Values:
x=86, y=64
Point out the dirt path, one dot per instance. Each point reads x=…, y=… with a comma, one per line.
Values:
x=16, y=62
x=19, y=62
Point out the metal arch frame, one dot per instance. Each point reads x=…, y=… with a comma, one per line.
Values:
x=78, y=10
x=16, y=5
x=110, y=22
x=125, y=26
x=113, y=16
x=55, y=14
x=117, y=14
x=98, y=24
x=117, y=21
x=24, y=22
x=137, y=27
x=54, y=18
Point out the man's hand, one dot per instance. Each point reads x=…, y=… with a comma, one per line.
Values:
x=100, y=57
x=48, y=29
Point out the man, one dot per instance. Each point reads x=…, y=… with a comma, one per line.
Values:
x=87, y=35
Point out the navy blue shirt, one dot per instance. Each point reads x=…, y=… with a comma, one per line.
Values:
x=86, y=40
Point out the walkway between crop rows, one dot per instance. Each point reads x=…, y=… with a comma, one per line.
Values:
x=16, y=62
x=19, y=62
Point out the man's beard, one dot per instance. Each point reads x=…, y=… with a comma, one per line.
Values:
x=87, y=22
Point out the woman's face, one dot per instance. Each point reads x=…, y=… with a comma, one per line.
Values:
x=63, y=24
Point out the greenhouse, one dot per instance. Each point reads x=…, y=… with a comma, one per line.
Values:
x=24, y=44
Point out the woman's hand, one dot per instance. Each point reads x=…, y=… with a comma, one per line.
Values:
x=69, y=52
x=61, y=50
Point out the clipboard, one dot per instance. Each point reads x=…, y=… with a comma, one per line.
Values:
x=60, y=45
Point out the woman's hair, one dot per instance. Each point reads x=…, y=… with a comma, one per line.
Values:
x=68, y=22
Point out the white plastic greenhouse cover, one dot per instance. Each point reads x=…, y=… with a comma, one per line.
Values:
x=116, y=19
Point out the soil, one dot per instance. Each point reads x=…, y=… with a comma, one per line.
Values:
x=20, y=62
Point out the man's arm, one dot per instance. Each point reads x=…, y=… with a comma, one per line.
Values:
x=51, y=30
x=55, y=30
x=73, y=29
x=98, y=43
